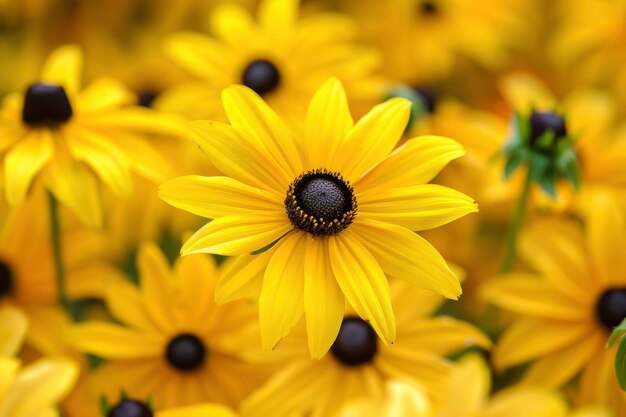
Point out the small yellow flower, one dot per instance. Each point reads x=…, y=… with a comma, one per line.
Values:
x=68, y=137
x=282, y=58
x=173, y=343
x=338, y=203
x=358, y=366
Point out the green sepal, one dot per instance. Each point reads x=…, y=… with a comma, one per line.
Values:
x=617, y=332
x=620, y=364
x=105, y=407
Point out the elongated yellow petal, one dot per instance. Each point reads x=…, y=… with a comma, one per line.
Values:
x=418, y=161
x=363, y=282
x=201, y=410
x=278, y=17
x=281, y=303
x=39, y=386
x=103, y=94
x=64, y=66
x=419, y=207
x=407, y=256
x=115, y=342
x=143, y=158
x=8, y=370
x=233, y=24
x=525, y=92
x=24, y=161
x=249, y=114
x=193, y=99
x=534, y=297
x=530, y=338
x=13, y=324
x=371, y=139
x=324, y=303
x=136, y=119
x=328, y=120
x=125, y=304
x=242, y=276
x=238, y=233
x=198, y=54
x=524, y=403
x=214, y=197
x=239, y=157
x=469, y=385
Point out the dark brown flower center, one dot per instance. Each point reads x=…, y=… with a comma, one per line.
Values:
x=542, y=122
x=186, y=352
x=262, y=76
x=6, y=279
x=130, y=408
x=428, y=8
x=321, y=203
x=356, y=344
x=611, y=307
x=46, y=105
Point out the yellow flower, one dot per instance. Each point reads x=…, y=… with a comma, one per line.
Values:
x=68, y=137
x=358, y=365
x=173, y=343
x=281, y=57
x=339, y=206
x=199, y=410
x=35, y=389
x=564, y=316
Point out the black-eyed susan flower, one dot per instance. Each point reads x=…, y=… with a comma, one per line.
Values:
x=358, y=366
x=565, y=316
x=35, y=389
x=337, y=203
x=173, y=343
x=279, y=56
x=68, y=137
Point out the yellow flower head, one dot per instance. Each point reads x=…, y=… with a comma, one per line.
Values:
x=337, y=203
x=281, y=57
x=69, y=137
x=564, y=317
x=173, y=343
x=35, y=389
x=358, y=366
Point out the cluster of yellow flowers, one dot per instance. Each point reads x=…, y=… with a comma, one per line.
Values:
x=240, y=208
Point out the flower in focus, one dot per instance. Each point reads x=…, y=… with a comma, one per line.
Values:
x=565, y=315
x=35, y=389
x=337, y=204
x=69, y=137
x=173, y=343
x=358, y=366
x=280, y=57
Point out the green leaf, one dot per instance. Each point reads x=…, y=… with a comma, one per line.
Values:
x=512, y=163
x=105, y=407
x=539, y=164
x=617, y=332
x=620, y=364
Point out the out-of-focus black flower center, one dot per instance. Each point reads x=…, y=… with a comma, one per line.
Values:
x=611, y=307
x=186, y=352
x=543, y=121
x=130, y=408
x=46, y=105
x=320, y=202
x=146, y=98
x=428, y=96
x=356, y=344
x=428, y=8
x=262, y=76
x=6, y=279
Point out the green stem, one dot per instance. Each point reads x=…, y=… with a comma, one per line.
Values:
x=57, y=251
x=516, y=225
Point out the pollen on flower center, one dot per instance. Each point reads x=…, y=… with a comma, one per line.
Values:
x=130, y=408
x=46, y=105
x=356, y=343
x=6, y=279
x=186, y=352
x=320, y=202
x=261, y=76
x=611, y=307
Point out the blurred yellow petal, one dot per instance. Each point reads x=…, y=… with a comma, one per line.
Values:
x=278, y=17
x=242, y=276
x=525, y=92
x=115, y=342
x=281, y=303
x=8, y=370
x=13, y=324
x=232, y=23
x=363, y=283
x=125, y=304
x=469, y=385
x=201, y=410
x=198, y=54
x=64, y=66
x=103, y=94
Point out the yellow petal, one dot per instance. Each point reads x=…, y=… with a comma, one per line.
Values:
x=524, y=403
x=328, y=119
x=525, y=92
x=371, y=139
x=201, y=410
x=281, y=303
x=419, y=207
x=530, y=338
x=24, y=161
x=13, y=324
x=103, y=94
x=125, y=304
x=533, y=297
x=249, y=114
x=469, y=386
x=8, y=370
x=278, y=17
x=193, y=99
x=407, y=256
x=418, y=161
x=238, y=233
x=111, y=341
x=200, y=55
x=136, y=119
x=238, y=157
x=40, y=385
x=324, y=303
x=232, y=23
x=64, y=66
x=363, y=283
x=195, y=278
x=242, y=276
x=214, y=197
x=143, y=158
